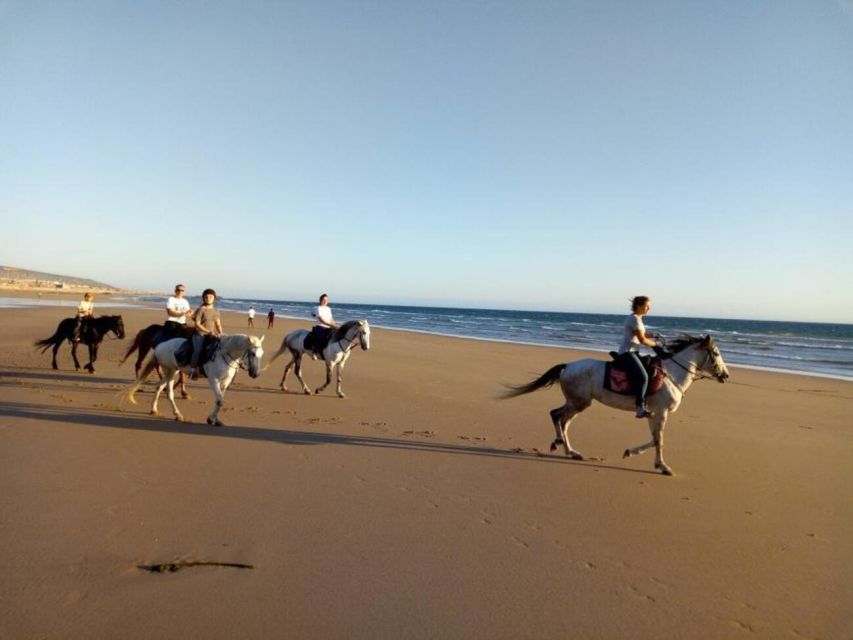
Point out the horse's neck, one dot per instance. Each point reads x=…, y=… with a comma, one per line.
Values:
x=234, y=346
x=683, y=375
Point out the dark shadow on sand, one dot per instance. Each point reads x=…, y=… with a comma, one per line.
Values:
x=120, y=420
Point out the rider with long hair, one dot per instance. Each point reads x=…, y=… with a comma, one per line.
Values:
x=635, y=334
x=85, y=311
x=207, y=321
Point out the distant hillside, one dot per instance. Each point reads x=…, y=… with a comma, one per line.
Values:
x=13, y=275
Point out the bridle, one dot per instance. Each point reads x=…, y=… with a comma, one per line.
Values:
x=235, y=363
x=695, y=375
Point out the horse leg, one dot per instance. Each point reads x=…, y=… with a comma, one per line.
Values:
x=340, y=379
x=74, y=355
x=182, y=381
x=55, y=350
x=213, y=419
x=283, y=383
x=170, y=385
x=656, y=425
x=160, y=386
x=93, y=355
x=561, y=417
x=298, y=371
x=328, y=378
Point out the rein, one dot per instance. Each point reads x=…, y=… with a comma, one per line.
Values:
x=695, y=375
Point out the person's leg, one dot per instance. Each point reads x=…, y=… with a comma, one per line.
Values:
x=78, y=325
x=639, y=381
x=197, y=339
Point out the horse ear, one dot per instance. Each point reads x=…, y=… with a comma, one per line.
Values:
x=706, y=338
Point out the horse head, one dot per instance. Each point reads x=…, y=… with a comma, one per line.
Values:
x=118, y=329
x=364, y=334
x=713, y=363
x=253, y=355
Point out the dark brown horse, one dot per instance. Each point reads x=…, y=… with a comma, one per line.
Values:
x=93, y=332
x=144, y=342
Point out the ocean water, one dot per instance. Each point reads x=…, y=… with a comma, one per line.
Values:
x=802, y=347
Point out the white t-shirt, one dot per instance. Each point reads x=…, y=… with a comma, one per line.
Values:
x=630, y=342
x=85, y=308
x=323, y=313
x=179, y=305
x=252, y=312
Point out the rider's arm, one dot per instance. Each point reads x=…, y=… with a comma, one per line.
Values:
x=644, y=338
x=217, y=328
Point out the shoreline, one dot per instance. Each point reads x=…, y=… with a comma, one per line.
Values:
x=261, y=318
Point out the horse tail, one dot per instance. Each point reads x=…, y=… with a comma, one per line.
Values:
x=545, y=380
x=284, y=347
x=149, y=367
x=49, y=342
x=137, y=341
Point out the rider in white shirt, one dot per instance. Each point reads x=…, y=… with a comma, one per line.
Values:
x=177, y=311
x=85, y=310
x=322, y=330
x=634, y=334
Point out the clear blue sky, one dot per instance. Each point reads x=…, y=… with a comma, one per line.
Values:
x=540, y=155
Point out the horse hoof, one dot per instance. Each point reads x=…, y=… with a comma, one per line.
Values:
x=627, y=454
x=553, y=446
x=179, y=418
x=186, y=396
x=341, y=395
x=210, y=421
x=154, y=413
x=666, y=471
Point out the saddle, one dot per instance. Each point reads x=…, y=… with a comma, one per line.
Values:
x=617, y=380
x=317, y=340
x=209, y=348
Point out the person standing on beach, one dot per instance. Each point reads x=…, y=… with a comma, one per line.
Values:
x=322, y=330
x=251, y=317
x=634, y=334
x=85, y=310
x=270, y=319
x=207, y=322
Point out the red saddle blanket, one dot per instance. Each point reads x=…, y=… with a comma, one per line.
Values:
x=617, y=380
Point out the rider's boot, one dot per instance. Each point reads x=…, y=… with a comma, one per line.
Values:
x=643, y=412
x=194, y=373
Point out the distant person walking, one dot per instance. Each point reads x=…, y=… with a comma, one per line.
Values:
x=85, y=310
x=207, y=321
x=634, y=334
x=251, y=317
x=270, y=319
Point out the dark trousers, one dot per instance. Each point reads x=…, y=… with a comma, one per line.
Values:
x=170, y=330
x=197, y=340
x=637, y=375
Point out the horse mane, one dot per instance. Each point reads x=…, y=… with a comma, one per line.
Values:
x=341, y=332
x=682, y=341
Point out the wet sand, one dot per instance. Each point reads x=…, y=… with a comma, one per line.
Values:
x=418, y=507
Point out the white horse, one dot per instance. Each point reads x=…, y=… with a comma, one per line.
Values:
x=233, y=352
x=335, y=354
x=583, y=381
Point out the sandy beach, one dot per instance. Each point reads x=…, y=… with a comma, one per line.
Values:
x=417, y=507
